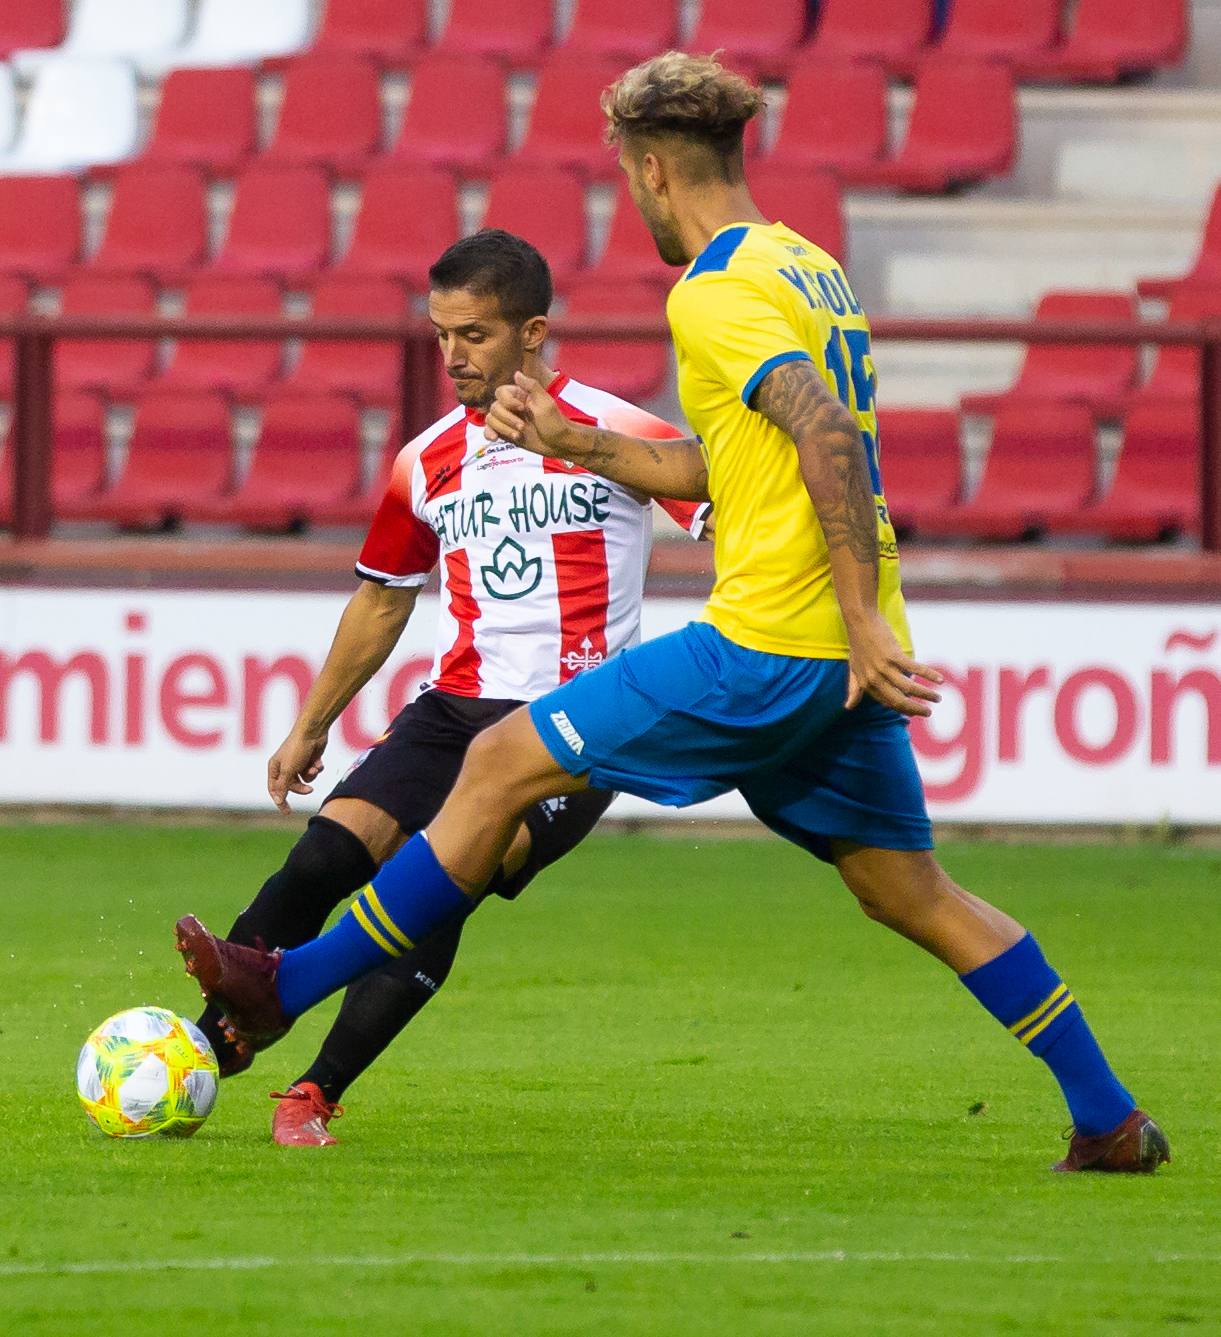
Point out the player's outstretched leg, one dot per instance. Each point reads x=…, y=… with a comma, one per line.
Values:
x=375, y=1009
x=507, y=769
x=327, y=865
x=1005, y=970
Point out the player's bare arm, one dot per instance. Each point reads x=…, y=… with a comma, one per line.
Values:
x=368, y=631
x=525, y=414
x=835, y=470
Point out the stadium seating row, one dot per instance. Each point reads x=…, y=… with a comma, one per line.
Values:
x=250, y=371
x=1091, y=41
x=1104, y=379
x=82, y=115
x=1040, y=476
x=280, y=224
x=180, y=464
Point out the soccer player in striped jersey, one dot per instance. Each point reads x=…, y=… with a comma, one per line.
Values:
x=542, y=566
x=796, y=686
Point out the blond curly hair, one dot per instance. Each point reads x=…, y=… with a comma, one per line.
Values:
x=692, y=97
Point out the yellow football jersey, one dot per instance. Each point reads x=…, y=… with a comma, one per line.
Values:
x=758, y=296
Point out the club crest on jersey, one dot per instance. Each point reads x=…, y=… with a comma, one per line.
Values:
x=582, y=658
x=511, y=574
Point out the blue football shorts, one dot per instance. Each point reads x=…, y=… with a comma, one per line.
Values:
x=688, y=716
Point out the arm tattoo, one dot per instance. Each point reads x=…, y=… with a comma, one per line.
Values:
x=833, y=462
x=608, y=448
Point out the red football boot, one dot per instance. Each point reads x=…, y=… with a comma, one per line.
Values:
x=1137, y=1147
x=240, y=979
x=301, y=1117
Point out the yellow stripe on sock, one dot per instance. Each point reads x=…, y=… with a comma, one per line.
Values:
x=1049, y=1001
x=1068, y=1001
x=384, y=919
x=363, y=920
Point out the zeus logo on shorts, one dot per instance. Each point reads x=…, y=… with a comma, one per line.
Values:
x=564, y=726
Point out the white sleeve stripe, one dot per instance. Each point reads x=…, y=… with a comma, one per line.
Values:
x=395, y=582
x=700, y=519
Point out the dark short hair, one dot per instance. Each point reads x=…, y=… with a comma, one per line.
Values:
x=499, y=264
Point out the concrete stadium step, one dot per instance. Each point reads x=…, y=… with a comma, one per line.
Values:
x=997, y=257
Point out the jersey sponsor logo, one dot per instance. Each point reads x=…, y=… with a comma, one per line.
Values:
x=582, y=658
x=511, y=575
x=564, y=727
x=560, y=502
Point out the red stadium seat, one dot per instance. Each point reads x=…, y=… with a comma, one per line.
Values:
x=628, y=30
x=280, y=226
x=630, y=251
x=516, y=31
x=14, y=294
x=921, y=460
x=1205, y=273
x=896, y=34
x=119, y=368
x=206, y=120
x=944, y=147
x=1000, y=29
x=635, y=369
x=473, y=143
x=1155, y=493
x=1176, y=372
x=756, y=39
x=390, y=32
x=808, y=201
x=1112, y=40
x=1040, y=469
x=546, y=205
x=179, y=461
x=40, y=226
x=78, y=457
x=158, y=224
x=567, y=124
x=235, y=366
x=358, y=508
x=367, y=369
x=408, y=216
x=331, y=114
x=31, y=23
x=307, y=455
x=1100, y=376
x=835, y=117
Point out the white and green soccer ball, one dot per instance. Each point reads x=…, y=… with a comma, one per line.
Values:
x=147, y=1070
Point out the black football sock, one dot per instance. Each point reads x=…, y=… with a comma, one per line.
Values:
x=377, y=1006
x=327, y=864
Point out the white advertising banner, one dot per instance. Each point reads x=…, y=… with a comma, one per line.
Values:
x=1052, y=712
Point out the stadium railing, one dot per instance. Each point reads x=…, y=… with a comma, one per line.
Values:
x=35, y=338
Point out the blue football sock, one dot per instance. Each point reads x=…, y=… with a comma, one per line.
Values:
x=1026, y=995
x=410, y=897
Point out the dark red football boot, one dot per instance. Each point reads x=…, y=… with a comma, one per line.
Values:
x=1137, y=1147
x=240, y=979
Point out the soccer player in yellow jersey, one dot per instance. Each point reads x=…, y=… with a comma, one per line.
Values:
x=795, y=686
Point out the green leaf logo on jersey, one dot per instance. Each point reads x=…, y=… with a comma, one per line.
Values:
x=512, y=575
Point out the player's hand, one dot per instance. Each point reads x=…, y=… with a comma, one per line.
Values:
x=525, y=414
x=296, y=762
x=878, y=667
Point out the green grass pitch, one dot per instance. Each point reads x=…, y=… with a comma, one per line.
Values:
x=683, y=1086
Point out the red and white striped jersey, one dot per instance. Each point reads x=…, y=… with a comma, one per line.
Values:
x=542, y=563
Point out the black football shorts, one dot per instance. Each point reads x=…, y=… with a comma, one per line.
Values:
x=409, y=772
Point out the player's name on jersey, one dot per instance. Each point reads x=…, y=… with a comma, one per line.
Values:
x=556, y=502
